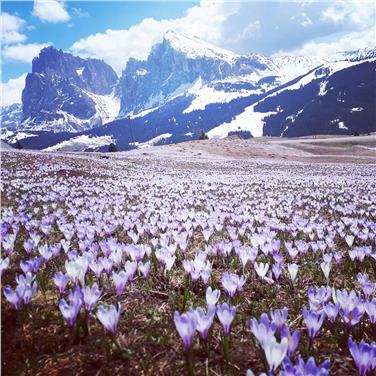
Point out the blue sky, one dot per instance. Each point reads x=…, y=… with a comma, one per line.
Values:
x=115, y=31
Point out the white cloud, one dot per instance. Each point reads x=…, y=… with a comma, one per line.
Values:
x=359, y=13
x=348, y=42
x=11, y=90
x=11, y=29
x=50, y=11
x=117, y=46
x=23, y=52
x=79, y=12
x=251, y=29
x=302, y=19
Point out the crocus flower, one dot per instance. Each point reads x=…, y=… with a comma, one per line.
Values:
x=4, y=263
x=232, y=283
x=109, y=317
x=14, y=297
x=279, y=317
x=370, y=308
x=226, y=315
x=313, y=321
x=120, y=280
x=326, y=267
x=212, y=296
x=96, y=268
x=144, y=268
x=60, y=279
x=275, y=352
x=204, y=321
x=263, y=329
x=185, y=324
x=293, y=271
x=261, y=269
x=363, y=355
x=90, y=296
x=70, y=311
x=309, y=368
x=293, y=339
x=331, y=310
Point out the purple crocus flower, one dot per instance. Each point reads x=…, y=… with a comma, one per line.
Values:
x=263, y=329
x=144, y=268
x=120, y=280
x=14, y=297
x=370, y=308
x=313, y=321
x=61, y=280
x=70, y=311
x=309, y=368
x=226, y=315
x=90, y=296
x=29, y=245
x=96, y=268
x=279, y=317
x=364, y=355
x=185, y=324
x=204, y=321
x=277, y=271
x=353, y=316
x=232, y=283
x=293, y=339
x=109, y=317
x=331, y=310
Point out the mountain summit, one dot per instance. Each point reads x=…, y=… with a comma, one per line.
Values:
x=67, y=93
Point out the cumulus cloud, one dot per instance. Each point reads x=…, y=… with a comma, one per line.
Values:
x=359, y=13
x=52, y=11
x=12, y=29
x=22, y=52
x=117, y=46
x=348, y=42
x=11, y=90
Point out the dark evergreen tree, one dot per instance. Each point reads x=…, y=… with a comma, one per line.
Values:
x=112, y=148
x=203, y=136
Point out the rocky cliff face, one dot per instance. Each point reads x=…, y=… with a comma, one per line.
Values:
x=173, y=66
x=62, y=92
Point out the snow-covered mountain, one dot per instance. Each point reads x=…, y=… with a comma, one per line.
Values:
x=186, y=85
x=174, y=66
x=11, y=116
x=67, y=93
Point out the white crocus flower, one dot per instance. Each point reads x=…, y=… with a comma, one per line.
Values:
x=326, y=267
x=293, y=271
x=275, y=352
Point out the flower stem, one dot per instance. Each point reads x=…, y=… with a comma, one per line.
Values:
x=189, y=361
x=226, y=347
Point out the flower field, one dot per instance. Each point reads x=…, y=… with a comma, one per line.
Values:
x=171, y=265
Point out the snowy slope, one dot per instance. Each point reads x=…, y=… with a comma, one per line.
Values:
x=253, y=120
x=81, y=143
x=194, y=47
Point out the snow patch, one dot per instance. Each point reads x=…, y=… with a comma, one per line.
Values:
x=205, y=95
x=249, y=120
x=341, y=125
x=81, y=143
x=13, y=137
x=323, y=89
x=153, y=141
